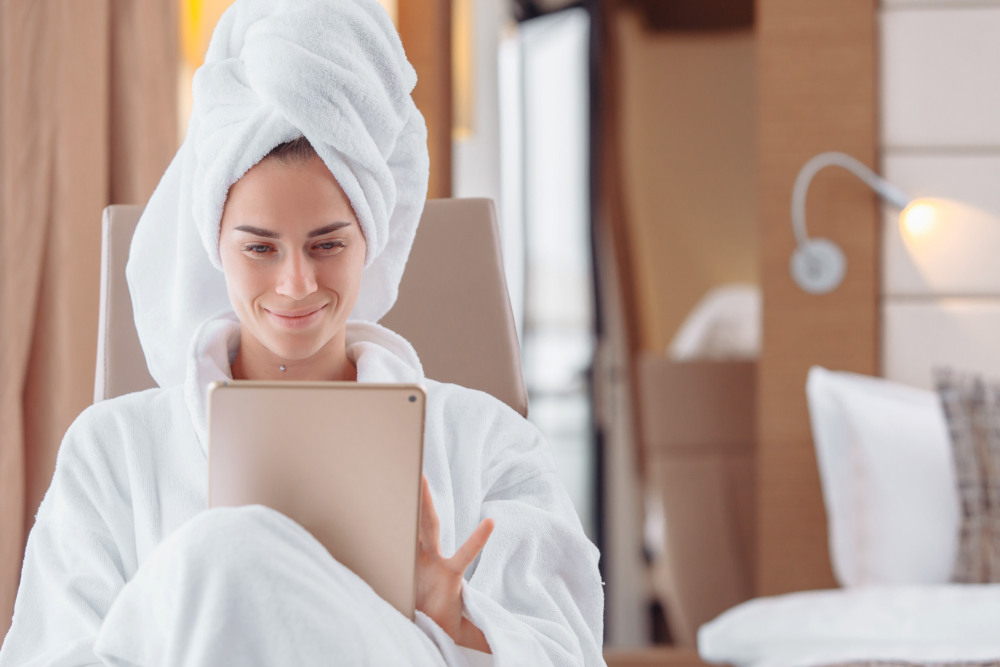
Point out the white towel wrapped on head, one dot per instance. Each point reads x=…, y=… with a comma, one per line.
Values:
x=333, y=71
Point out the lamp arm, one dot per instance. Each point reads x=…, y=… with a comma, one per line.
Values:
x=882, y=187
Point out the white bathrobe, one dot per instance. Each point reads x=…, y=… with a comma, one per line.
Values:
x=125, y=566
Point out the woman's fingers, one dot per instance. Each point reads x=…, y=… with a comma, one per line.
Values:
x=430, y=534
x=467, y=552
x=429, y=526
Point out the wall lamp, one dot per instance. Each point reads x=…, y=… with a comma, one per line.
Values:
x=940, y=235
x=818, y=265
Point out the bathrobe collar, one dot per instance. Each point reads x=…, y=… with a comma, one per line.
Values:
x=379, y=354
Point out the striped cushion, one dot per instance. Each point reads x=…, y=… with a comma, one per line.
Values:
x=972, y=408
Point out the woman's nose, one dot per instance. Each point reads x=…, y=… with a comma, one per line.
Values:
x=297, y=279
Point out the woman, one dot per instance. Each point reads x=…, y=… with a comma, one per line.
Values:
x=273, y=244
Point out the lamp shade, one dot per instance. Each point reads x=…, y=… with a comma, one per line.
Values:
x=943, y=247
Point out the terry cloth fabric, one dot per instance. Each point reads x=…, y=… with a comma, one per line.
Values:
x=125, y=566
x=333, y=71
x=972, y=408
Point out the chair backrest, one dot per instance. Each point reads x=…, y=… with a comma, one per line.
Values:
x=453, y=304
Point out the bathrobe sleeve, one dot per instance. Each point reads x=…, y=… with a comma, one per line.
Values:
x=80, y=551
x=535, y=591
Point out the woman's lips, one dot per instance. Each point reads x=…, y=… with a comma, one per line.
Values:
x=295, y=319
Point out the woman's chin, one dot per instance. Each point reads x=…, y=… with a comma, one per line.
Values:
x=295, y=354
x=280, y=347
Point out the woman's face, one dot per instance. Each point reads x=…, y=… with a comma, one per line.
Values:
x=292, y=252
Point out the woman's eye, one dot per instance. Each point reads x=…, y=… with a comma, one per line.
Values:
x=257, y=249
x=329, y=245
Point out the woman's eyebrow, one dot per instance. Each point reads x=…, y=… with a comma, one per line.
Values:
x=268, y=234
x=329, y=228
x=257, y=231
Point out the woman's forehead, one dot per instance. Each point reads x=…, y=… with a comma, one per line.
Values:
x=301, y=196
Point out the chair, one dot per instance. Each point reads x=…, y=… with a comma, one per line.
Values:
x=453, y=304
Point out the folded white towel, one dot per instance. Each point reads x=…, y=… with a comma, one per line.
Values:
x=918, y=624
x=333, y=71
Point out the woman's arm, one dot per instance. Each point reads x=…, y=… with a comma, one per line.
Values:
x=75, y=563
x=535, y=591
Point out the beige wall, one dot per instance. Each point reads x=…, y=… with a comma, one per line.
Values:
x=688, y=139
x=939, y=95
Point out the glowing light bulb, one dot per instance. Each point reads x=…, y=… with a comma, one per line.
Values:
x=919, y=218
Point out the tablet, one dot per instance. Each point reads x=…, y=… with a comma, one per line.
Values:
x=342, y=459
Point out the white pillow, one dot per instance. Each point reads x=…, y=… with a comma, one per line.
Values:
x=724, y=325
x=888, y=479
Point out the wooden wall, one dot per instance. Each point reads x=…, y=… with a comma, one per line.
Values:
x=688, y=127
x=425, y=29
x=817, y=67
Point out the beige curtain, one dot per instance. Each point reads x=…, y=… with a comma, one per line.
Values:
x=87, y=118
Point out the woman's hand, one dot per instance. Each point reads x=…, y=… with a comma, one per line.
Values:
x=439, y=579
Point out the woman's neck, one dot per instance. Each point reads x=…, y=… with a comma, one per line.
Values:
x=256, y=362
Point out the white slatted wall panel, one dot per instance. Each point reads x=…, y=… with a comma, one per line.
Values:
x=940, y=97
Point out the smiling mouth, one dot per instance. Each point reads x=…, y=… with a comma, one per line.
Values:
x=296, y=320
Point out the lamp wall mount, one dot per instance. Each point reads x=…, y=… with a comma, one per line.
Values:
x=818, y=265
